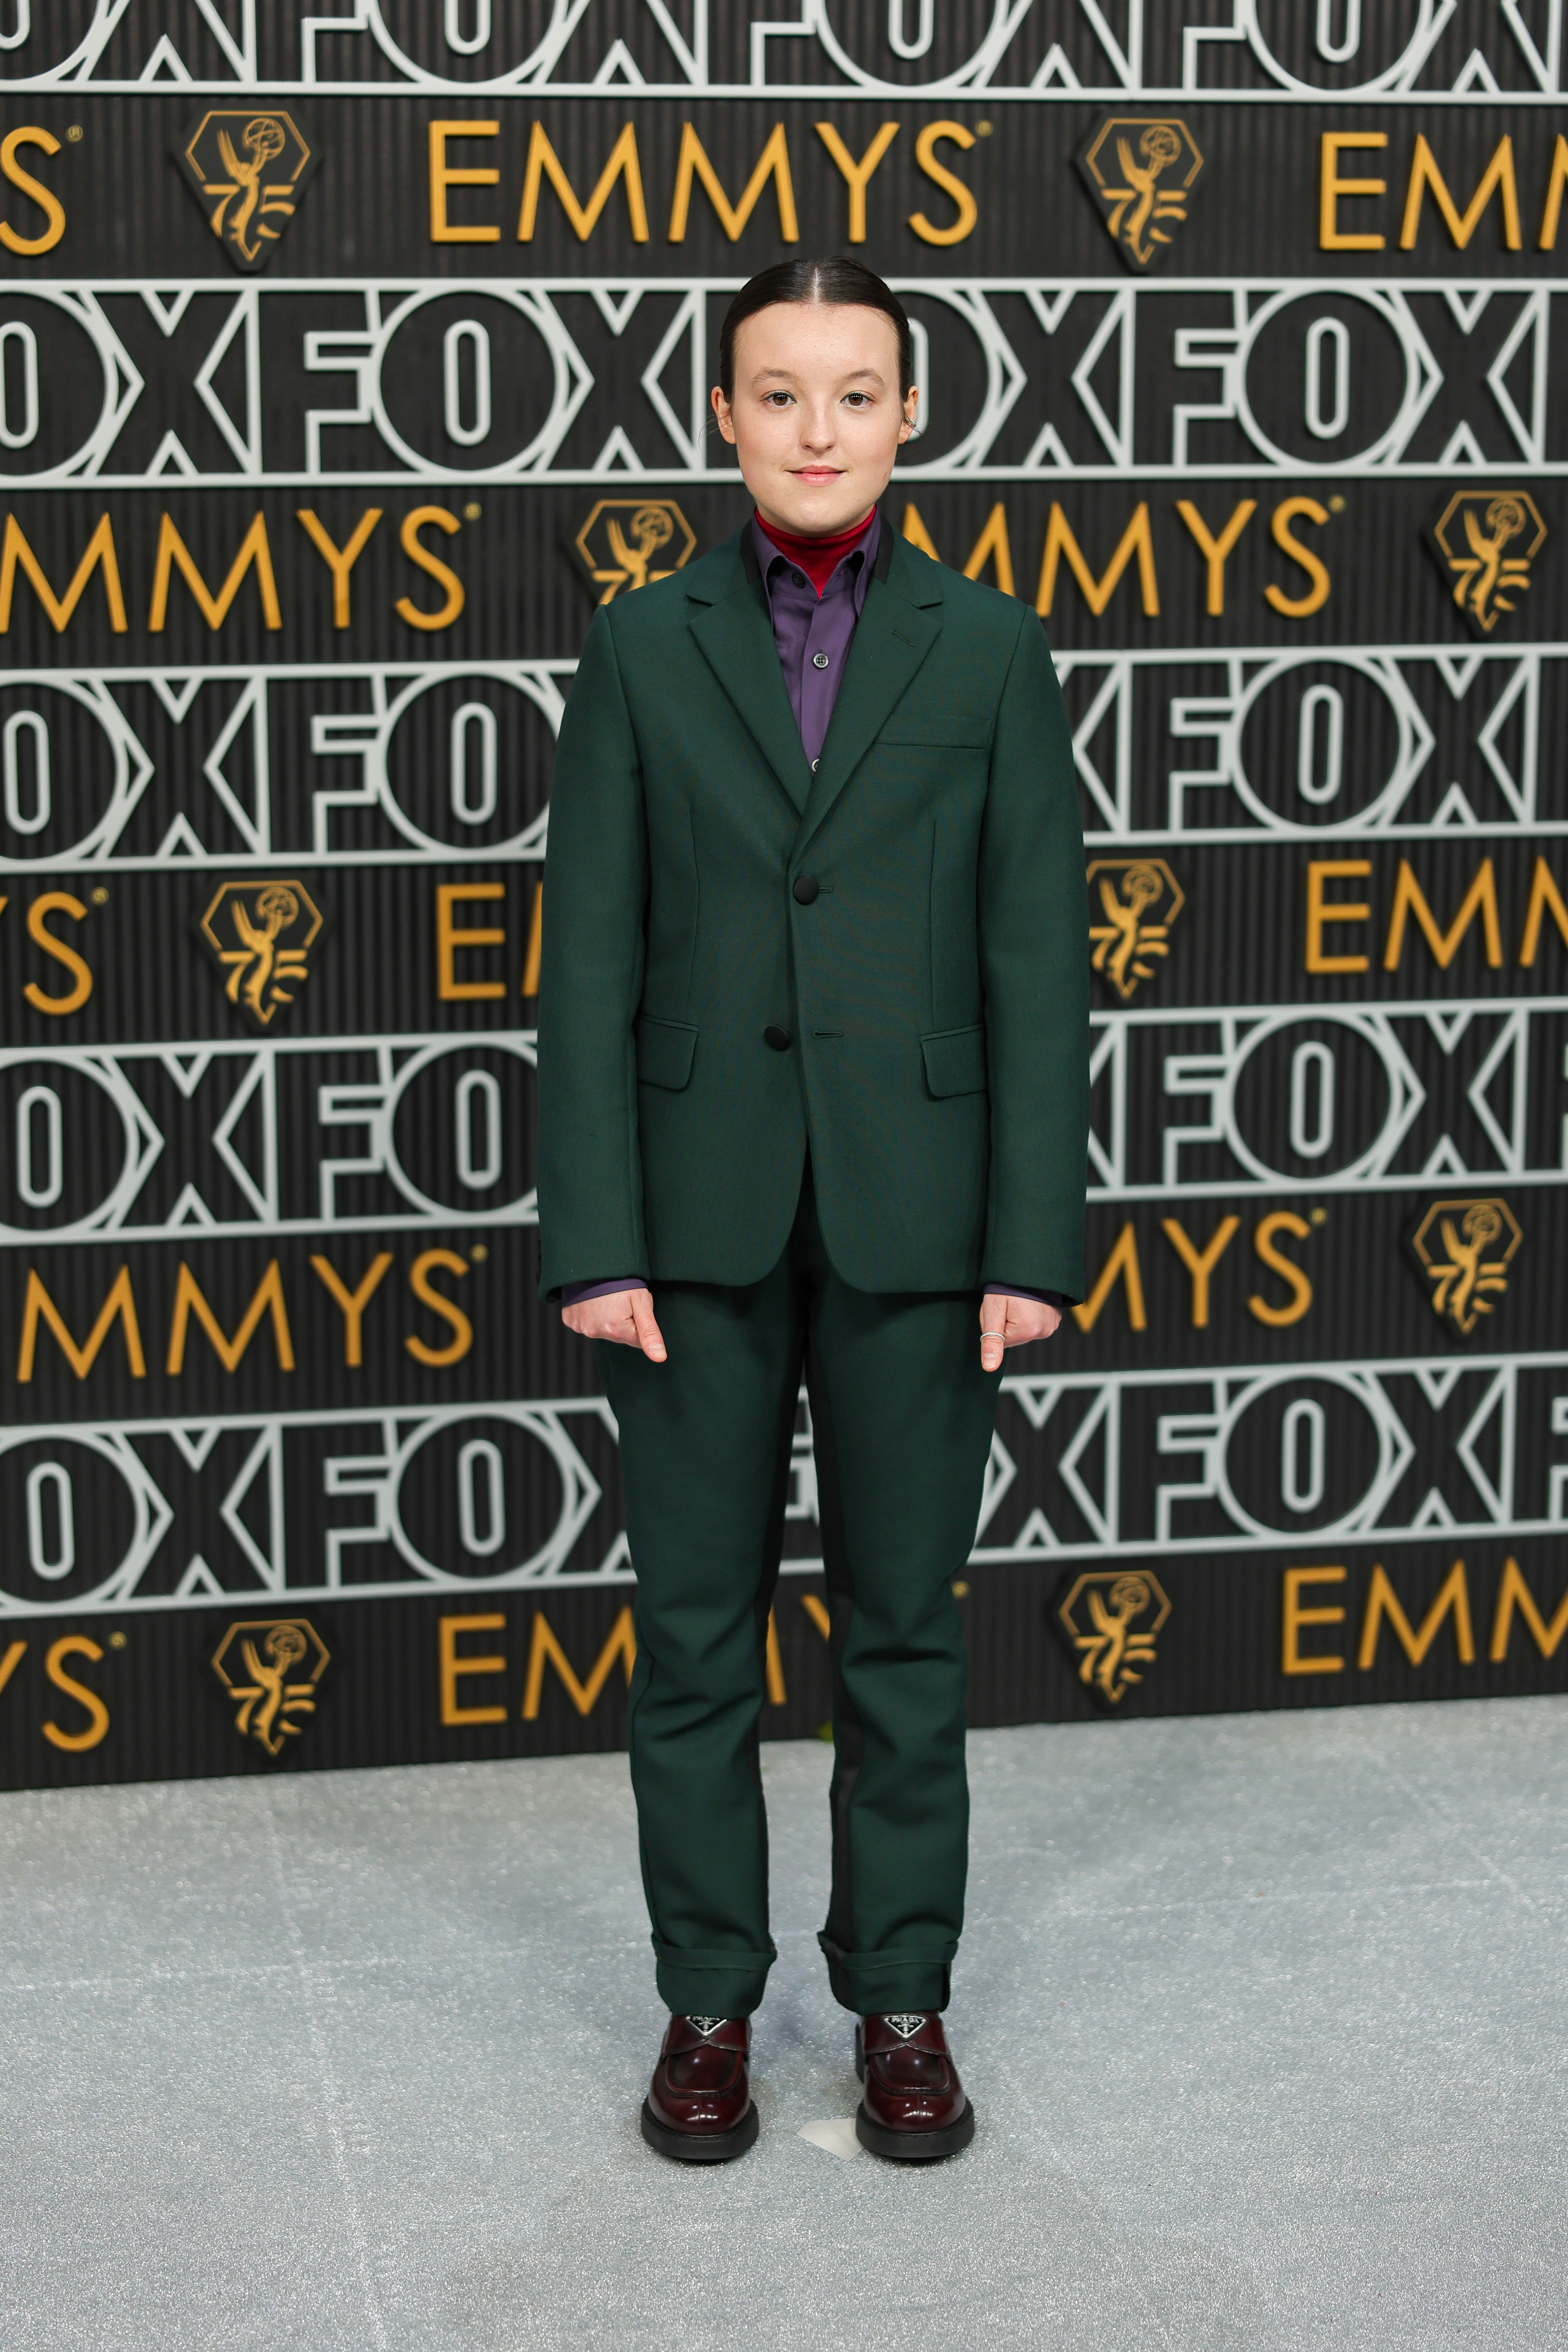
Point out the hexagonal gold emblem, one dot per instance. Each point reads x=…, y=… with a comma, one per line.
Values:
x=628, y=544
x=248, y=167
x=260, y=933
x=1111, y=1617
x=1486, y=541
x=270, y=1667
x=1140, y=898
x=1464, y=1248
x=1140, y=170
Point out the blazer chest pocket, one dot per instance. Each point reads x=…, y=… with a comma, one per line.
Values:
x=665, y=1049
x=955, y=1061
x=934, y=734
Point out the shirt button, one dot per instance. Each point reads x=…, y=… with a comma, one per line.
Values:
x=814, y=765
x=805, y=887
x=819, y=661
x=799, y=579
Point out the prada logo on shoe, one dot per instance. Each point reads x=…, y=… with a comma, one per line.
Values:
x=705, y=2026
x=906, y=2027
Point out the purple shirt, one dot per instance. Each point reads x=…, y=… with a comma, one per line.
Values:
x=814, y=634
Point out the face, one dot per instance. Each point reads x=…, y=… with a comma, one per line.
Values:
x=816, y=419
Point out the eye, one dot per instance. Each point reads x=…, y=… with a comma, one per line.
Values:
x=777, y=399
x=860, y=399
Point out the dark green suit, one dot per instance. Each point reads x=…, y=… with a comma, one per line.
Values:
x=933, y=1095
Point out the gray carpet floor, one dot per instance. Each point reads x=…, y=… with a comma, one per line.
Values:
x=1265, y=2020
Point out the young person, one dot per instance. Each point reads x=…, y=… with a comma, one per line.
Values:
x=813, y=1078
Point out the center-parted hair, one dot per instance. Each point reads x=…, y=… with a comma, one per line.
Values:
x=838, y=280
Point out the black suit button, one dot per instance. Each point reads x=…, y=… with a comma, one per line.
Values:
x=777, y=1038
x=805, y=887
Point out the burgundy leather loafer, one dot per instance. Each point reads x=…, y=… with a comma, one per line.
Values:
x=698, y=2106
x=914, y=2106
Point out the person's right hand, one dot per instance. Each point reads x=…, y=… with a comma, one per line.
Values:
x=626, y=1316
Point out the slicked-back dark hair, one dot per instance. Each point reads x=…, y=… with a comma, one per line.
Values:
x=838, y=280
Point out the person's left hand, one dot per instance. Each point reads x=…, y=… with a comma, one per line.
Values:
x=1012, y=1323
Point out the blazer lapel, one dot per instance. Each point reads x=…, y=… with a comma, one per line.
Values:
x=729, y=621
x=899, y=625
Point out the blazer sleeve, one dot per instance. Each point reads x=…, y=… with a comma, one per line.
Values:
x=590, y=1169
x=1034, y=949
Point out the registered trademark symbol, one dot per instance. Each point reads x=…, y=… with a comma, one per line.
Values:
x=117, y=1641
x=472, y=511
x=100, y=896
x=73, y=133
x=1319, y=1216
x=479, y=1253
x=1336, y=504
x=982, y=130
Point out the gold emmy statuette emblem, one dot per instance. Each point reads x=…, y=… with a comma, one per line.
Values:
x=1129, y=892
x=248, y=171
x=1463, y=1249
x=1486, y=541
x=1140, y=169
x=270, y=1667
x=260, y=934
x=630, y=543
x=1111, y=1617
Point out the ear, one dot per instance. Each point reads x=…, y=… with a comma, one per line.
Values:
x=912, y=404
x=721, y=411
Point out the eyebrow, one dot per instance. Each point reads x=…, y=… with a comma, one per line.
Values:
x=788, y=376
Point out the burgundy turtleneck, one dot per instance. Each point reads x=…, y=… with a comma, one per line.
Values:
x=818, y=558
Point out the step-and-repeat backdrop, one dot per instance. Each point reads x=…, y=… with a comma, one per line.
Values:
x=350, y=352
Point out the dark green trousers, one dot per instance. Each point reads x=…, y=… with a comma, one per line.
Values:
x=902, y=1416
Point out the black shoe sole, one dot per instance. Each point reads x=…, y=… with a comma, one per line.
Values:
x=914, y=2147
x=699, y=2147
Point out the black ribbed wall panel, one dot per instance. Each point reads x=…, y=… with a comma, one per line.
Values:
x=294, y=1470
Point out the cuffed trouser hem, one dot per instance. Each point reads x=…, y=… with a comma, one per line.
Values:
x=711, y=1984
x=880, y=1984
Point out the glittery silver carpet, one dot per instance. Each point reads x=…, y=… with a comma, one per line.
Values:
x=1266, y=2019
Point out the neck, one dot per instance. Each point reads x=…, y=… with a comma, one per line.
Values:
x=817, y=554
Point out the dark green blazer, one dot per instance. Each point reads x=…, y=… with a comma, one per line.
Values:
x=934, y=992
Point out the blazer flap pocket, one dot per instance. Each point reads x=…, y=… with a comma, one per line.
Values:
x=946, y=734
x=955, y=1061
x=665, y=1049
